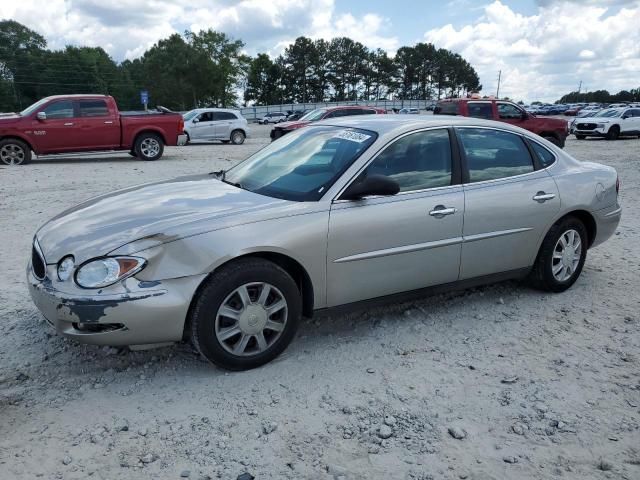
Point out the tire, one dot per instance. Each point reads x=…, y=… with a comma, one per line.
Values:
x=580, y=137
x=209, y=325
x=553, y=140
x=237, y=137
x=14, y=152
x=132, y=153
x=542, y=276
x=148, y=146
x=613, y=133
x=225, y=141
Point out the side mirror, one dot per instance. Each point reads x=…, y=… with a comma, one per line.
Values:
x=624, y=117
x=41, y=116
x=195, y=120
x=372, y=185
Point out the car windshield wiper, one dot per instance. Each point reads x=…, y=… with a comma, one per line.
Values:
x=221, y=174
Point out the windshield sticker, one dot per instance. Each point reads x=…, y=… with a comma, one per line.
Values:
x=353, y=136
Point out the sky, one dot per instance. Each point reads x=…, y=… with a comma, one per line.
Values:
x=544, y=48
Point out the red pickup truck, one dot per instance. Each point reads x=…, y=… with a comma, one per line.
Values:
x=552, y=129
x=83, y=123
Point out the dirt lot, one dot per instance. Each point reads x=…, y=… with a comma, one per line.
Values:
x=538, y=385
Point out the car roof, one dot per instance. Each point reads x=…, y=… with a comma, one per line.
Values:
x=215, y=109
x=397, y=124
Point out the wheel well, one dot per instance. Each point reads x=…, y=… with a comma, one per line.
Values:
x=239, y=130
x=550, y=134
x=155, y=132
x=291, y=266
x=589, y=222
x=13, y=137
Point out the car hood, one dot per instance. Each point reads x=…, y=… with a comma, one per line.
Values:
x=596, y=119
x=155, y=213
x=293, y=125
x=6, y=118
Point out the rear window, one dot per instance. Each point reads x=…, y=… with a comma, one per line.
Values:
x=93, y=108
x=224, y=116
x=480, y=110
x=446, y=108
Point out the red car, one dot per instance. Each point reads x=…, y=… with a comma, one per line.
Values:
x=572, y=112
x=81, y=123
x=552, y=129
x=323, y=114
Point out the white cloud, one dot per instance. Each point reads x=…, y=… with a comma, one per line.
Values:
x=546, y=55
x=126, y=28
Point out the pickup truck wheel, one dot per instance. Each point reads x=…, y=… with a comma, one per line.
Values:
x=14, y=152
x=613, y=133
x=553, y=140
x=149, y=146
x=237, y=137
x=132, y=153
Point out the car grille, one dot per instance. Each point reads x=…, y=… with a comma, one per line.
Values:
x=586, y=126
x=37, y=262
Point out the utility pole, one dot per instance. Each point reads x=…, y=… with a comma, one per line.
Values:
x=580, y=87
x=498, y=91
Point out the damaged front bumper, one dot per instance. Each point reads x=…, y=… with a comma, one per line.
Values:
x=131, y=312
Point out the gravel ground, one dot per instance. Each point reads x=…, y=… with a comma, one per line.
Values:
x=490, y=383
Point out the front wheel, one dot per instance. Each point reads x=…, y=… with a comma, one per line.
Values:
x=246, y=314
x=149, y=146
x=14, y=152
x=553, y=140
x=613, y=133
x=561, y=256
x=237, y=137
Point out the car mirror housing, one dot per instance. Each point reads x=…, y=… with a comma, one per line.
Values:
x=41, y=116
x=195, y=120
x=371, y=185
x=624, y=117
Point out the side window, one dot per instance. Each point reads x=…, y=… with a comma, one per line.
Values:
x=336, y=114
x=494, y=154
x=61, y=109
x=206, y=117
x=224, y=116
x=446, y=108
x=507, y=111
x=480, y=110
x=93, y=108
x=417, y=161
x=545, y=157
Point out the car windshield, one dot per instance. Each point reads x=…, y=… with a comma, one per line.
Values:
x=302, y=165
x=32, y=108
x=609, y=113
x=190, y=114
x=314, y=115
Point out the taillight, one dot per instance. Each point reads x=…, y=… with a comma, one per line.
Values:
x=617, y=185
x=181, y=124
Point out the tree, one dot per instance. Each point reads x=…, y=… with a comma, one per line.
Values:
x=263, y=79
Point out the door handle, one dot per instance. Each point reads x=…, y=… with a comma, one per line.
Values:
x=68, y=124
x=440, y=211
x=542, y=197
x=108, y=122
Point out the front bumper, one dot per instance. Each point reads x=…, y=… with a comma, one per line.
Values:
x=132, y=312
x=182, y=140
x=596, y=132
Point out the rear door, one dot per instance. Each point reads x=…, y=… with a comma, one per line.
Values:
x=98, y=128
x=480, y=109
x=510, y=202
x=384, y=245
x=58, y=133
x=224, y=122
x=631, y=124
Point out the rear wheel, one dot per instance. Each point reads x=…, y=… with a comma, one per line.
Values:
x=246, y=314
x=14, y=152
x=561, y=256
x=552, y=139
x=149, y=146
x=237, y=137
x=613, y=133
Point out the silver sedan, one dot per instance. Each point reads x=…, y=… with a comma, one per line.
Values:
x=340, y=213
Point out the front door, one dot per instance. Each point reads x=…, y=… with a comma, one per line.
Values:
x=508, y=204
x=58, y=132
x=204, y=127
x=384, y=245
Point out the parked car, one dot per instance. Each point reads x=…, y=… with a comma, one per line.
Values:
x=323, y=114
x=297, y=115
x=86, y=123
x=409, y=111
x=554, y=130
x=610, y=123
x=573, y=111
x=215, y=124
x=359, y=209
x=273, y=117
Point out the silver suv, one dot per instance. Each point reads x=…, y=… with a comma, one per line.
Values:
x=215, y=124
x=273, y=117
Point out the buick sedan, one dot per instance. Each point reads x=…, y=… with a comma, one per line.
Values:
x=344, y=212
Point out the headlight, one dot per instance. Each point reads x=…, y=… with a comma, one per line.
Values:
x=65, y=268
x=103, y=272
x=600, y=125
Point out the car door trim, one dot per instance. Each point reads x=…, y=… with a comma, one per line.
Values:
x=500, y=233
x=416, y=247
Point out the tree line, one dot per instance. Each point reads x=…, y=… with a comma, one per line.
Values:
x=602, y=96
x=209, y=68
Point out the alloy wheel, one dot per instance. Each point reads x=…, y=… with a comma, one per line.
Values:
x=150, y=147
x=251, y=319
x=12, y=154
